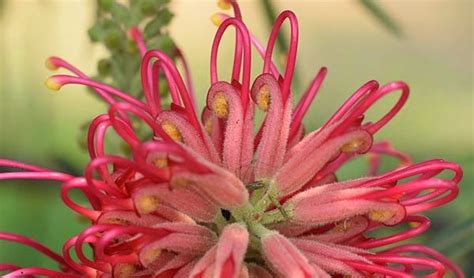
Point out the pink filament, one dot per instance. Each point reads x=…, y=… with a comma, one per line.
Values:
x=90, y=235
x=58, y=62
x=410, y=261
x=260, y=49
x=306, y=101
x=245, y=45
x=291, y=56
x=22, y=165
x=173, y=151
x=138, y=39
x=22, y=272
x=373, y=268
x=360, y=108
x=418, y=186
x=187, y=75
x=55, y=176
x=67, y=79
x=423, y=225
x=430, y=252
x=175, y=77
x=358, y=96
x=126, y=133
x=385, y=148
x=111, y=234
x=82, y=185
x=71, y=263
x=238, y=38
x=33, y=244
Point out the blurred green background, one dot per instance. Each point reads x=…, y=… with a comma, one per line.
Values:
x=434, y=57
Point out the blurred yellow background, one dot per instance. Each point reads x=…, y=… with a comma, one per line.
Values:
x=434, y=57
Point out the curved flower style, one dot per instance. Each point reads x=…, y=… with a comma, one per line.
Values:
x=210, y=197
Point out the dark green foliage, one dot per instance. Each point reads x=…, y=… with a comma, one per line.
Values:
x=122, y=68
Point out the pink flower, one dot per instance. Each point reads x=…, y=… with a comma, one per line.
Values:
x=210, y=197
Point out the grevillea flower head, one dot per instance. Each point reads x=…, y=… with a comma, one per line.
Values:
x=212, y=197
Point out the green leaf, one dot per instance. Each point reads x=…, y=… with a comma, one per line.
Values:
x=153, y=28
x=105, y=5
x=120, y=13
x=382, y=17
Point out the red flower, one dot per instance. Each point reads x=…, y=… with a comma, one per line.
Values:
x=213, y=198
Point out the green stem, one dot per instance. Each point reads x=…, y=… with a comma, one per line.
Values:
x=274, y=216
x=221, y=222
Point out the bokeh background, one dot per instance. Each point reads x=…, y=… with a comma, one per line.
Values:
x=435, y=57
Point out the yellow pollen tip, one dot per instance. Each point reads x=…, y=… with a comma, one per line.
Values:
x=147, y=204
x=171, y=129
x=220, y=106
x=224, y=4
x=343, y=226
x=208, y=125
x=380, y=215
x=353, y=145
x=151, y=255
x=180, y=182
x=125, y=270
x=160, y=162
x=263, y=98
x=52, y=84
x=217, y=19
x=117, y=221
x=50, y=65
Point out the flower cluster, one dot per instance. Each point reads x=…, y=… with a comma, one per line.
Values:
x=212, y=197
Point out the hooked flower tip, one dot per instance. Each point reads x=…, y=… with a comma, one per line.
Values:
x=53, y=84
x=217, y=19
x=49, y=63
x=224, y=4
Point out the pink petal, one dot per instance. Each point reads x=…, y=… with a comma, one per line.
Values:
x=231, y=250
x=225, y=102
x=185, y=200
x=285, y=258
x=189, y=135
x=305, y=164
x=272, y=147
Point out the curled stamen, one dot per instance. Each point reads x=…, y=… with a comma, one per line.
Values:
x=368, y=99
x=125, y=132
x=81, y=184
x=175, y=76
x=22, y=272
x=32, y=172
x=305, y=101
x=291, y=56
x=187, y=74
x=35, y=245
x=418, y=225
x=53, y=63
x=55, y=82
x=245, y=45
x=136, y=35
x=431, y=253
x=385, y=148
